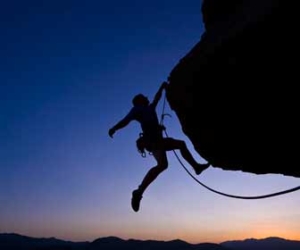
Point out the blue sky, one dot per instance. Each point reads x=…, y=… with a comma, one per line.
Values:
x=69, y=70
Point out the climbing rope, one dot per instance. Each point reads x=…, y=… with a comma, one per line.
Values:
x=213, y=190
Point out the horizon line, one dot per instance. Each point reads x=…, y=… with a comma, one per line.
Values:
x=136, y=239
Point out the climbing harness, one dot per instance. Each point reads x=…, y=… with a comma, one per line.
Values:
x=213, y=190
x=140, y=144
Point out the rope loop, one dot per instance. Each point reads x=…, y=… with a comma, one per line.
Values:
x=215, y=191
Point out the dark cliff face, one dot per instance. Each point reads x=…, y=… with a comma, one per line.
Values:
x=235, y=92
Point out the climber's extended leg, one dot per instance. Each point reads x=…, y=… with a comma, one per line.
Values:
x=162, y=164
x=172, y=144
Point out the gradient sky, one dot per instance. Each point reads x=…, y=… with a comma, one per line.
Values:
x=68, y=72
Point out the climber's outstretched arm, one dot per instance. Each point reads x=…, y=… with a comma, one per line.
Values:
x=121, y=124
x=159, y=93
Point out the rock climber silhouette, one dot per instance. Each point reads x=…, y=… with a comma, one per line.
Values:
x=153, y=141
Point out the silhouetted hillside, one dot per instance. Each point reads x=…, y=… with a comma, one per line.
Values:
x=112, y=243
x=20, y=242
x=272, y=243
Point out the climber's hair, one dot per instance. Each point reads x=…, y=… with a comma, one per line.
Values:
x=138, y=100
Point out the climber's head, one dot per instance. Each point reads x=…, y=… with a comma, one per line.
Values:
x=140, y=100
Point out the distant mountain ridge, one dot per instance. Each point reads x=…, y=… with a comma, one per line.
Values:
x=12, y=241
x=270, y=243
x=113, y=243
